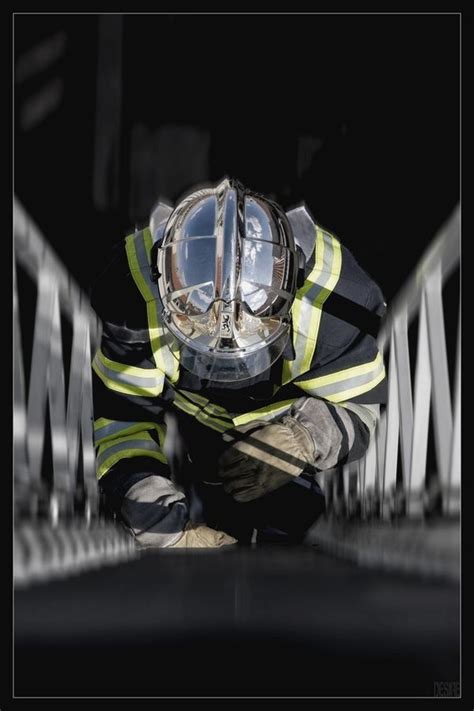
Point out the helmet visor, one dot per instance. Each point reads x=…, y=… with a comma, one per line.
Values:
x=264, y=275
x=227, y=274
x=188, y=267
x=240, y=364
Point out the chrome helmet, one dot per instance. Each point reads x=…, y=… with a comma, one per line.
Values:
x=227, y=270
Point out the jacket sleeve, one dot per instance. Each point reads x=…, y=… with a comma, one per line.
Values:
x=129, y=415
x=346, y=384
x=340, y=433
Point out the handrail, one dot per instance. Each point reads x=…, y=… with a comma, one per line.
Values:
x=369, y=487
x=70, y=413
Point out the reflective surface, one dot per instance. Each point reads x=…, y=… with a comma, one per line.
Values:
x=227, y=280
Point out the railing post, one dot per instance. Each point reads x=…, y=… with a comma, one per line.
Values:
x=38, y=386
x=452, y=497
x=441, y=396
x=21, y=469
x=417, y=479
x=389, y=479
x=400, y=344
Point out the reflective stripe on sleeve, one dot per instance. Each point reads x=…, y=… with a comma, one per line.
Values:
x=135, y=445
x=306, y=310
x=218, y=418
x=269, y=412
x=199, y=411
x=106, y=430
x=346, y=383
x=127, y=379
x=138, y=247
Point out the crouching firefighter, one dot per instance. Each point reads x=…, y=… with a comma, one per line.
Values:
x=238, y=359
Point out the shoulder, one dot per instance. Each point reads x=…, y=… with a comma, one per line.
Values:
x=115, y=296
x=328, y=260
x=346, y=298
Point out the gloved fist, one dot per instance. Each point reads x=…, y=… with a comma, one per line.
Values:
x=201, y=536
x=265, y=459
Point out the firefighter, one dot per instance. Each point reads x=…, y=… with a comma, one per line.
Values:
x=238, y=359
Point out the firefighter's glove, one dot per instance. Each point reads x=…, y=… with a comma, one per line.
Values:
x=201, y=536
x=262, y=459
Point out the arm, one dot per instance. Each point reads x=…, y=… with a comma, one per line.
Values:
x=129, y=407
x=129, y=429
x=340, y=433
x=328, y=426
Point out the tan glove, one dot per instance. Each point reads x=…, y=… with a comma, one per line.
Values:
x=267, y=458
x=201, y=536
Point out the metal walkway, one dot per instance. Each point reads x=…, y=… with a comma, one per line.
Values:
x=267, y=621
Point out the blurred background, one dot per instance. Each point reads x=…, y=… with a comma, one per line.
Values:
x=357, y=115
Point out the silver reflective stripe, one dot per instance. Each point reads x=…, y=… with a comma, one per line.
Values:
x=113, y=428
x=150, y=384
x=334, y=391
x=144, y=260
x=107, y=430
x=138, y=253
x=129, y=448
x=307, y=307
x=200, y=413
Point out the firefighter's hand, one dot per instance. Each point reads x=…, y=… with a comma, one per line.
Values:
x=261, y=460
x=201, y=536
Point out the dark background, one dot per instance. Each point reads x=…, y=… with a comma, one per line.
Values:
x=358, y=115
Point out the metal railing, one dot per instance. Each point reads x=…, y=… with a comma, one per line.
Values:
x=65, y=499
x=371, y=488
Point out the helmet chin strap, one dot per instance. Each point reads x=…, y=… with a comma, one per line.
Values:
x=300, y=279
x=155, y=274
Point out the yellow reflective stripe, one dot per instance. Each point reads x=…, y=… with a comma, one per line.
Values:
x=359, y=390
x=208, y=411
x=148, y=241
x=204, y=417
x=124, y=388
x=199, y=399
x=129, y=369
x=264, y=412
x=354, y=380
x=213, y=422
x=155, y=335
x=122, y=452
x=172, y=367
x=155, y=328
x=205, y=412
x=307, y=307
x=312, y=338
x=340, y=375
x=209, y=408
x=185, y=405
x=135, y=268
x=126, y=428
x=287, y=371
x=153, y=325
x=102, y=422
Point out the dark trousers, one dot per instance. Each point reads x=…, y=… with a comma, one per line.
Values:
x=281, y=516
